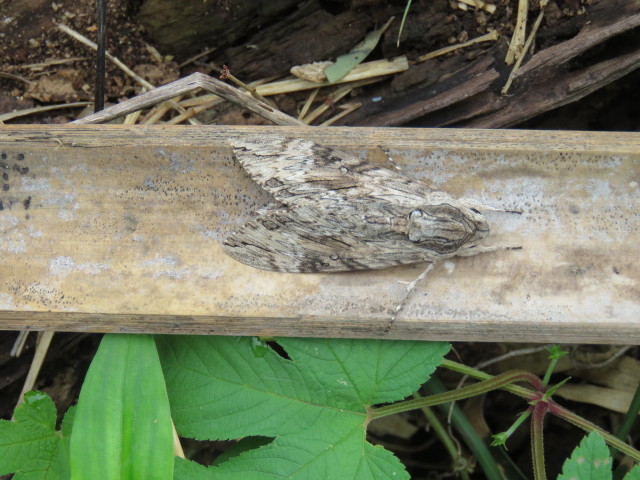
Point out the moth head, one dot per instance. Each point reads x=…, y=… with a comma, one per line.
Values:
x=447, y=229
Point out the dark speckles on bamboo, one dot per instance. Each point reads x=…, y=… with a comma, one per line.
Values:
x=131, y=223
x=9, y=163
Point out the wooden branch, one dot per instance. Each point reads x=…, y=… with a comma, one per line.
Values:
x=186, y=85
x=519, y=33
x=364, y=71
x=475, y=81
x=117, y=228
x=551, y=78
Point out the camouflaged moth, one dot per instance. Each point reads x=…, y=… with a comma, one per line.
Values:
x=334, y=212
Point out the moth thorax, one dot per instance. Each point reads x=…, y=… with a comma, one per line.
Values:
x=440, y=225
x=379, y=220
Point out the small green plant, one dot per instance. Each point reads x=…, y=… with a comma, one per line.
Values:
x=120, y=429
x=302, y=411
x=591, y=460
x=404, y=18
x=30, y=444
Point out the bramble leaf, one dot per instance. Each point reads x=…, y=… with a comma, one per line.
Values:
x=589, y=460
x=30, y=446
x=633, y=474
x=314, y=405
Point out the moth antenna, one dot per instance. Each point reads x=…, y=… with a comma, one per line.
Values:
x=492, y=209
x=403, y=302
x=472, y=252
x=392, y=161
x=471, y=203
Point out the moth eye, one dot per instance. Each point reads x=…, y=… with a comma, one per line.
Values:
x=334, y=257
x=344, y=170
x=417, y=213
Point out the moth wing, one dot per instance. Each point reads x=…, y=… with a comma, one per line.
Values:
x=300, y=172
x=290, y=241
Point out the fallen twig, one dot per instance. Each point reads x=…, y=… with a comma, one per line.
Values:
x=30, y=111
x=525, y=49
x=492, y=36
x=519, y=33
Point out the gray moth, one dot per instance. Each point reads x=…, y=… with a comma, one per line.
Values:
x=334, y=212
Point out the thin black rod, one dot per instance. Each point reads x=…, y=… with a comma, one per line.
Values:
x=100, y=59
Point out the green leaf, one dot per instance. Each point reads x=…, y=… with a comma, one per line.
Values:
x=29, y=446
x=241, y=446
x=60, y=463
x=556, y=353
x=404, y=17
x=633, y=474
x=589, y=461
x=122, y=425
x=345, y=63
x=314, y=405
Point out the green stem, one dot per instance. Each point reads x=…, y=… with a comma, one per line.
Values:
x=442, y=433
x=468, y=433
x=404, y=17
x=555, y=354
x=500, y=381
x=629, y=419
x=474, y=373
x=537, y=441
x=501, y=438
x=588, y=427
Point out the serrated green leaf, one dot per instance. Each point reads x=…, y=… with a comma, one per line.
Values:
x=60, y=468
x=633, y=474
x=29, y=446
x=122, y=425
x=314, y=405
x=67, y=421
x=589, y=461
x=243, y=445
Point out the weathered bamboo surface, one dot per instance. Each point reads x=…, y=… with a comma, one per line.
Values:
x=117, y=229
